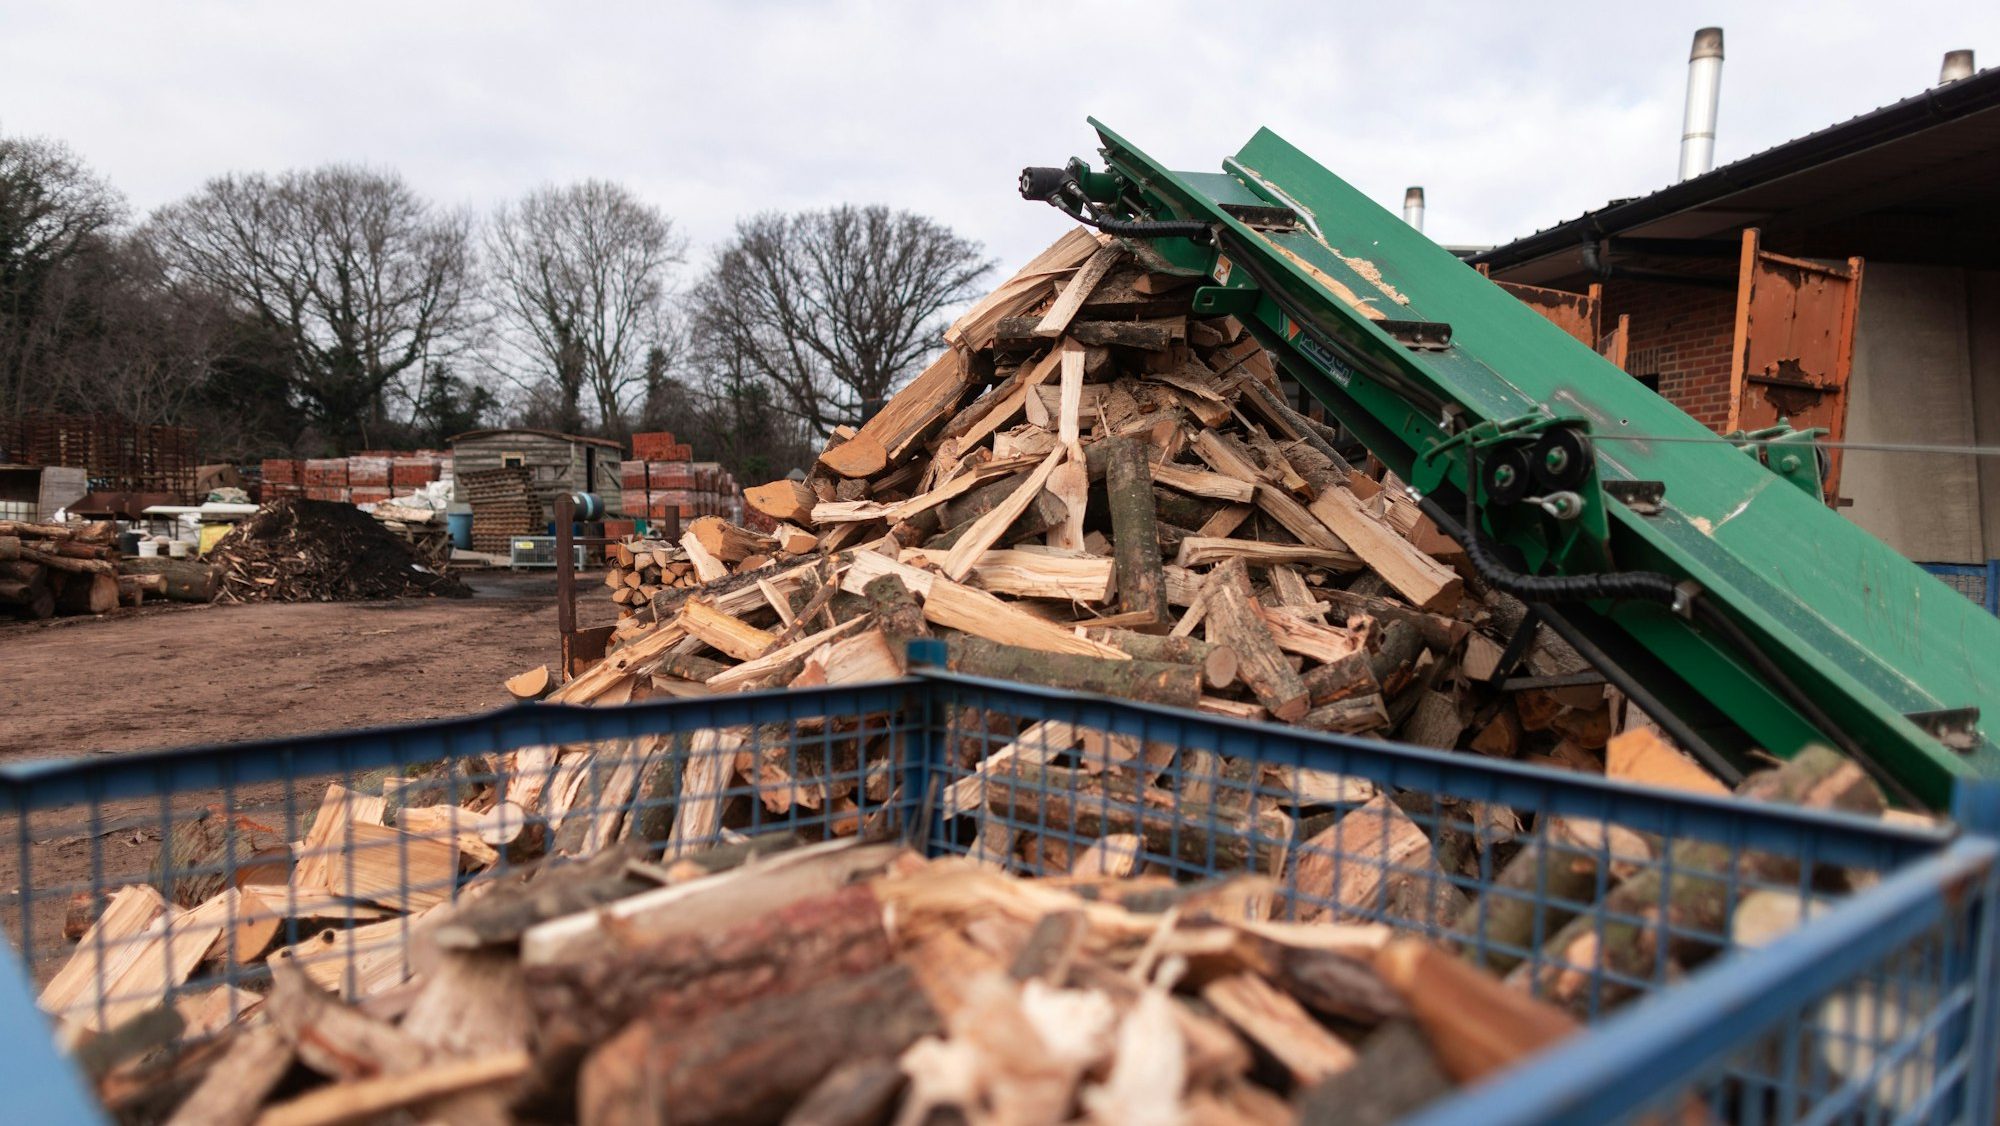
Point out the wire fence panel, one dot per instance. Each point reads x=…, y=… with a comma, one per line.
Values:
x=1739, y=961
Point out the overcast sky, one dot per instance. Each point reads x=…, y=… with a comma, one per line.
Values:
x=1511, y=116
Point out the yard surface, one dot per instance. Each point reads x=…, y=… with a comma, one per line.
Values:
x=172, y=675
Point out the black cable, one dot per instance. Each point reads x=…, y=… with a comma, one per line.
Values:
x=1647, y=586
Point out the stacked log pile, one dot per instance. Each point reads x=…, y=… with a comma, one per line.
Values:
x=299, y=550
x=75, y=568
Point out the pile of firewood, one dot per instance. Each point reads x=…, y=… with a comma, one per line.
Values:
x=857, y=983
x=640, y=568
x=76, y=568
x=299, y=550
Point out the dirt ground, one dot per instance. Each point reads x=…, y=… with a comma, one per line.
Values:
x=171, y=675
x=174, y=674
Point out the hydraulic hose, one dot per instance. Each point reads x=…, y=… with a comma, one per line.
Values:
x=1648, y=586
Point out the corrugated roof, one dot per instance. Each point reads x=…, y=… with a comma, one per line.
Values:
x=1899, y=142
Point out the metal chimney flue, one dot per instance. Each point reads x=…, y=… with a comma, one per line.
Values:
x=1413, y=208
x=1957, y=65
x=1704, y=92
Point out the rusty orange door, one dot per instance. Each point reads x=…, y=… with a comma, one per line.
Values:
x=1794, y=345
x=1616, y=345
x=1574, y=313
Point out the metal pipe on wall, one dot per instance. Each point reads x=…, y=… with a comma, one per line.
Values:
x=1704, y=92
x=1957, y=65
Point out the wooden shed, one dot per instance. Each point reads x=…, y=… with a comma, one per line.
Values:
x=557, y=463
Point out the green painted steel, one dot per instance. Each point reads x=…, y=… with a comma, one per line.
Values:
x=1867, y=634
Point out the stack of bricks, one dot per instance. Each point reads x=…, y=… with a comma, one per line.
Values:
x=326, y=478
x=283, y=477
x=662, y=477
x=368, y=477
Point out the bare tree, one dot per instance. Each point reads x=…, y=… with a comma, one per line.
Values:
x=55, y=215
x=363, y=279
x=580, y=277
x=834, y=308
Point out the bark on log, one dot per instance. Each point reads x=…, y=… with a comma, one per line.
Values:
x=1264, y=668
x=1218, y=663
x=1158, y=682
x=88, y=594
x=1092, y=806
x=1396, y=1074
x=794, y=948
x=896, y=610
x=1135, y=533
x=752, y=1063
x=185, y=581
x=1696, y=902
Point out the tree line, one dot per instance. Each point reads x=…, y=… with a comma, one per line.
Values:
x=335, y=308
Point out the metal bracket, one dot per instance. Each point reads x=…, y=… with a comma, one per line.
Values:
x=1956, y=728
x=1259, y=218
x=1422, y=336
x=1642, y=497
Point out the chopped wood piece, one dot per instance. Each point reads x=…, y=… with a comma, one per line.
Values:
x=988, y=529
x=366, y=1098
x=699, y=618
x=1477, y=1025
x=1426, y=583
x=531, y=685
x=1371, y=860
x=1135, y=535
x=1231, y=622
x=706, y=566
x=1057, y=319
x=784, y=500
x=1156, y=682
x=752, y=1062
x=1199, y=551
x=1198, y=483
x=954, y=606
x=1280, y=1026
x=1395, y=1075
x=1642, y=755
x=1032, y=573
x=728, y=542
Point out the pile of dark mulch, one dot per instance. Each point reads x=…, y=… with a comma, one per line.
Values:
x=298, y=550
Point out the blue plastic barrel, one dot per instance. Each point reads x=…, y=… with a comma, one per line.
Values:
x=460, y=524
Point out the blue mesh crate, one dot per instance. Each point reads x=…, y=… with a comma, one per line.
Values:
x=1877, y=1005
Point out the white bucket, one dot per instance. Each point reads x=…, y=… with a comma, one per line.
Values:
x=149, y=548
x=178, y=549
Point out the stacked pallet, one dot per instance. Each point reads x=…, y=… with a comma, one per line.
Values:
x=503, y=507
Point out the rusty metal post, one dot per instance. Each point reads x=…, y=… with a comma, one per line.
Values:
x=565, y=576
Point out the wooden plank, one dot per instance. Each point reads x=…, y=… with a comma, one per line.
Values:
x=1426, y=583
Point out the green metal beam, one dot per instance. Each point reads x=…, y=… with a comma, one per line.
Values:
x=1869, y=636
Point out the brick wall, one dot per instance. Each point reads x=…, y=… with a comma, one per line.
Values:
x=1683, y=334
